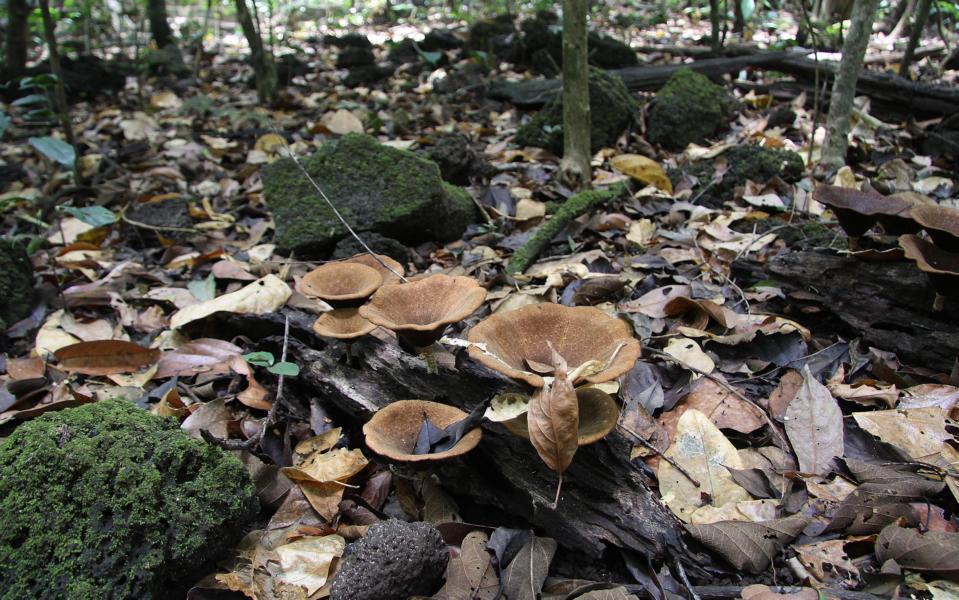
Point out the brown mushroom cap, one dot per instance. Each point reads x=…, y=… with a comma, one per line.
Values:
x=342, y=324
x=598, y=415
x=580, y=334
x=857, y=211
x=365, y=258
x=393, y=430
x=341, y=282
x=420, y=310
x=942, y=224
x=940, y=266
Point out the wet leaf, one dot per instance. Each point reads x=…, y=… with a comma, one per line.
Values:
x=814, y=426
x=105, y=357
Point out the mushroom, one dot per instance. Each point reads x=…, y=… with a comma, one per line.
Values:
x=598, y=415
x=516, y=343
x=420, y=311
x=377, y=261
x=941, y=223
x=341, y=283
x=857, y=211
x=393, y=430
x=940, y=266
x=343, y=324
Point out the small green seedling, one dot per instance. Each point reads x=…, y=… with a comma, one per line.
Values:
x=266, y=359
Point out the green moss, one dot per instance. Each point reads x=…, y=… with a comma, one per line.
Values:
x=689, y=109
x=483, y=33
x=760, y=165
x=108, y=501
x=16, y=283
x=574, y=206
x=376, y=188
x=612, y=109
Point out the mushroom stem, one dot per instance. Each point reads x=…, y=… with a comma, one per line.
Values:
x=427, y=355
x=349, y=354
x=939, y=303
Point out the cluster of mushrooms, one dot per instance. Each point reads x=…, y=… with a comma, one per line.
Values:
x=904, y=215
x=367, y=291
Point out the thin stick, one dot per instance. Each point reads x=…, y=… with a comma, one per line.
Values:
x=559, y=488
x=660, y=454
x=719, y=381
x=316, y=186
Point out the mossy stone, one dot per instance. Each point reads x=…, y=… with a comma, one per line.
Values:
x=376, y=188
x=109, y=501
x=16, y=283
x=761, y=165
x=612, y=109
x=688, y=109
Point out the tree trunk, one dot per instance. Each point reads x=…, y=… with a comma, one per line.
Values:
x=18, y=33
x=918, y=25
x=574, y=169
x=159, y=24
x=903, y=21
x=715, y=19
x=739, y=24
x=264, y=69
x=844, y=88
x=59, y=94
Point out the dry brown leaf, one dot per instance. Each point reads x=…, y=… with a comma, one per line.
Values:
x=784, y=393
x=814, y=426
x=705, y=453
x=749, y=546
x=471, y=576
x=919, y=431
x=724, y=409
x=31, y=367
x=933, y=552
x=763, y=592
x=689, y=353
x=263, y=296
x=653, y=303
x=553, y=419
x=105, y=357
x=204, y=355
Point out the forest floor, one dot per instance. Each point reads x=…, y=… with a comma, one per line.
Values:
x=792, y=409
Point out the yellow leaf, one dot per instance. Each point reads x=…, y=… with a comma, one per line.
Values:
x=260, y=297
x=703, y=451
x=270, y=143
x=642, y=169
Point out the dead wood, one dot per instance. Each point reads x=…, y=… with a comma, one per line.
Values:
x=605, y=500
x=887, y=304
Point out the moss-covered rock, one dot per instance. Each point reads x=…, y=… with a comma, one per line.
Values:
x=376, y=188
x=543, y=45
x=760, y=165
x=16, y=283
x=496, y=36
x=688, y=109
x=612, y=109
x=108, y=501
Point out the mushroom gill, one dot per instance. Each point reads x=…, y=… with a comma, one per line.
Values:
x=342, y=324
x=941, y=267
x=941, y=223
x=516, y=342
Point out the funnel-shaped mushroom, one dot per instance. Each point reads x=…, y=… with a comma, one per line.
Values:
x=342, y=324
x=942, y=224
x=389, y=276
x=341, y=283
x=598, y=415
x=857, y=211
x=421, y=310
x=393, y=430
x=516, y=342
x=941, y=267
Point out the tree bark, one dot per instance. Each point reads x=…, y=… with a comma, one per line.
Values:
x=918, y=25
x=574, y=169
x=264, y=69
x=159, y=24
x=903, y=21
x=18, y=33
x=715, y=19
x=59, y=94
x=844, y=88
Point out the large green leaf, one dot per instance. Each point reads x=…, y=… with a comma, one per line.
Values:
x=54, y=149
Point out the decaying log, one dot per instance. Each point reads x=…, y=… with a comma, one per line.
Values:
x=538, y=92
x=887, y=304
x=605, y=501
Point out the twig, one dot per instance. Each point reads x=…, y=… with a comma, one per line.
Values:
x=678, y=565
x=270, y=419
x=722, y=383
x=316, y=186
x=660, y=454
x=126, y=219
